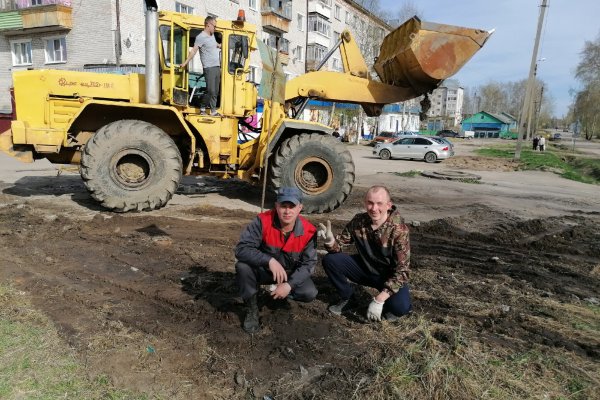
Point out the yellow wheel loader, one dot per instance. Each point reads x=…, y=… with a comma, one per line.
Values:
x=135, y=135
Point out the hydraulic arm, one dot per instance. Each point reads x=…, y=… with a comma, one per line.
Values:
x=413, y=60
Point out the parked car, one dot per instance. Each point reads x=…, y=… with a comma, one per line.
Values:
x=447, y=133
x=555, y=136
x=388, y=137
x=442, y=140
x=430, y=149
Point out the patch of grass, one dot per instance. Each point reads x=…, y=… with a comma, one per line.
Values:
x=408, y=174
x=470, y=180
x=421, y=359
x=34, y=361
x=586, y=170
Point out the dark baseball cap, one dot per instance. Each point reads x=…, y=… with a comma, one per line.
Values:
x=289, y=194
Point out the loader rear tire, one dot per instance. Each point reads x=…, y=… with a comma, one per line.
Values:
x=319, y=165
x=131, y=165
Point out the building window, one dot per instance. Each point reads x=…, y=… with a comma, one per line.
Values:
x=252, y=4
x=56, y=50
x=21, y=52
x=348, y=17
x=182, y=8
x=274, y=41
x=253, y=74
x=335, y=38
x=316, y=23
x=36, y=2
x=299, y=53
x=300, y=22
x=337, y=11
x=315, y=52
x=337, y=65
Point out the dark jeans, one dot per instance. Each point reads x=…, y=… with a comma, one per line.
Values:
x=249, y=278
x=213, y=83
x=341, y=267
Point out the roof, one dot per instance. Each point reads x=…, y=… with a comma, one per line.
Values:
x=501, y=117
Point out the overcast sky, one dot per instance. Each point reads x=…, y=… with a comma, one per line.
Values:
x=507, y=54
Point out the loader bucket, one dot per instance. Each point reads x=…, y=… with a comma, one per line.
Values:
x=421, y=54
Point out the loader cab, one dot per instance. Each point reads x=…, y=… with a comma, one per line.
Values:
x=184, y=88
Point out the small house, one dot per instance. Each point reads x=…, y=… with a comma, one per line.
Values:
x=489, y=125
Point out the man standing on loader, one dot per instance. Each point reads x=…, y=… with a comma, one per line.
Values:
x=210, y=55
x=278, y=247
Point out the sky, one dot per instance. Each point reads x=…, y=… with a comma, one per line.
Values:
x=507, y=54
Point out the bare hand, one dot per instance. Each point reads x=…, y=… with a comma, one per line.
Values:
x=279, y=274
x=326, y=233
x=282, y=291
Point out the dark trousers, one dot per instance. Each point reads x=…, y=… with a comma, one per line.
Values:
x=249, y=278
x=341, y=267
x=213, y=84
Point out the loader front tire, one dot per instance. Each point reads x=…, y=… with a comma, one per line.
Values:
x=131, y=165
x=318, y=165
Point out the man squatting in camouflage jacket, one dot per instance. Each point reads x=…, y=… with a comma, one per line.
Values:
x=382, y=241
x=278, y=247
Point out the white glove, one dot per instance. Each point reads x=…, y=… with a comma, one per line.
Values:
x=326, y=233
x=374, y=311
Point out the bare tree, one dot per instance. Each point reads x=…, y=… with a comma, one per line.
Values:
x=407, y=10
x=586, y=109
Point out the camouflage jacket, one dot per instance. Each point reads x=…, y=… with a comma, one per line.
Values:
x=384, y=251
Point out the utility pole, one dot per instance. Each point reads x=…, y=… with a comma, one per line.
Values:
x=530, y=82
x=118, y=50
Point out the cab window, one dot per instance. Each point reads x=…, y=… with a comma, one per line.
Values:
x=238, y=52
x=179, y=38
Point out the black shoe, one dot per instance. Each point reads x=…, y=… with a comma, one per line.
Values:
x=339, y=307
x=251, y=323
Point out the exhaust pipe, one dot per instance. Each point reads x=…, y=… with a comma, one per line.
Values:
x=152, y=63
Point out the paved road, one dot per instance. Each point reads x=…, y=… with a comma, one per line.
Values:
x=531, y=193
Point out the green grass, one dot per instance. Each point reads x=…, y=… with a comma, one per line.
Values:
x=586, y=170
x=34, y=361
x=408, y=174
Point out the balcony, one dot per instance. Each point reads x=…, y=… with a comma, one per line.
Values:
x=322, y=7
x=284, y=47
x=32, y=16
x=276, y=15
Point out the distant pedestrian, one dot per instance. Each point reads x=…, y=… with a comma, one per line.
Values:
x=542, y=143
x=536, y=141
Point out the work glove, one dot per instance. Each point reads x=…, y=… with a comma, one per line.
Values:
x=326, y=233
x=374, y=311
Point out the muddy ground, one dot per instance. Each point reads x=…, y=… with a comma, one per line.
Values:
x=150, y=301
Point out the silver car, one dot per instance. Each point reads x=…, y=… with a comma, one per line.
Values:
x=422, y=148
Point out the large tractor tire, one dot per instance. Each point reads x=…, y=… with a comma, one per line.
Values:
x=319, y=166
x=131, y=165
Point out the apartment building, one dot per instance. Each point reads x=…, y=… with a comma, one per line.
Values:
x=447, y=103
x=85, y=34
